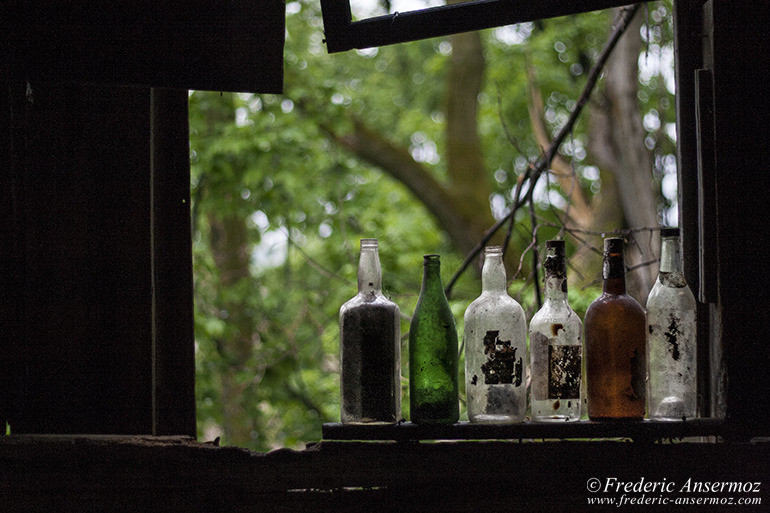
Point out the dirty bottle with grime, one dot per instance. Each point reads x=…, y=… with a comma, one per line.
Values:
x=671, y=337
x=615, y=345
x=495, y=336
x=556, y=345
x=433, y=358
x=370, y=348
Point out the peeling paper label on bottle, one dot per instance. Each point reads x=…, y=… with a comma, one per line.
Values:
x=502, y=366
x=564, y=365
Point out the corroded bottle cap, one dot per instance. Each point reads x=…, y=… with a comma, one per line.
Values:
x=555, y=261
x=613, y=245
x=669, y=232
x=613, y=259
x=556, y=247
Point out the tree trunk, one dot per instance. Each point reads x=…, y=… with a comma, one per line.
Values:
x=469, y=179
x=617, y=142
x=231, y=251
x=460, y=206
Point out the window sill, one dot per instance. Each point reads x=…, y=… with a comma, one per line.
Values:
x=645, y=430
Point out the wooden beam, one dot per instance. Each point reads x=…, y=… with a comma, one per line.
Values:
x=344, y=34
x=97, y=312
x=189, y=44
x=173, y=340
x=688, y=52
x=734, y=38
x=79, y=360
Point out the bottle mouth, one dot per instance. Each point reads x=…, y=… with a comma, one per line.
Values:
x=613, y=246
x=493, y=250
x=369, y=243
x=556, y=247
x=669, y=232
x=431, y=259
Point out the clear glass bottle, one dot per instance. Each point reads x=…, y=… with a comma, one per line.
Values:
x=495, y=349
x=556, y=345
x=671, y=337
x=433, y=358
x=370, y=348
x=615, y=349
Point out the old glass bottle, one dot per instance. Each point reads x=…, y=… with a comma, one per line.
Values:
x=671, y=340
x=433, y=359
x=370, y=348
x=495, y=337
x=556, y=345
x=615, y=345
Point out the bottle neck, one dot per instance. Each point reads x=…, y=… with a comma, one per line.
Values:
x=369, y=272
x=493, y=273
x=614, y=274
x=431, y=277
x=670, y=262
x=555, y=277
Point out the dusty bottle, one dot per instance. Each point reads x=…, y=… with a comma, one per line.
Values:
x=433, y=359
x=615, y=345
x=671, y=337
x=556, y=345
x=370, y=348
x=495, y=336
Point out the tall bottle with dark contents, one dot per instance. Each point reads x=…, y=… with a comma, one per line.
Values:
x=433, y=359
x=615, y=345
x=370, y=348
x=495, y=337
x=671, y=340
x=556, y=345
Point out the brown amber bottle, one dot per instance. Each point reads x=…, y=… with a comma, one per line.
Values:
x=615, y=345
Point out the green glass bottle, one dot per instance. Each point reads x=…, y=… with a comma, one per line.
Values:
x=433, y=358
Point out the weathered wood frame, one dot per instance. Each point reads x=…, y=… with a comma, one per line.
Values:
x=96, y=285
x=177, y=474
x=343, y=33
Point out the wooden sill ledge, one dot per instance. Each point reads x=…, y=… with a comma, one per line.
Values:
x=646, y=430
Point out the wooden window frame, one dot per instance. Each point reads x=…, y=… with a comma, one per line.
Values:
x=343, y=33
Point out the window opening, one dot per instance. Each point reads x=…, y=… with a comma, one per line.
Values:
x=423, y=146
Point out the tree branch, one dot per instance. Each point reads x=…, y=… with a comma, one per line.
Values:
x=535, y=254
x=533, y=173
x=563, y=171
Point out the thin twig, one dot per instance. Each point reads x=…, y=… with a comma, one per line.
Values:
x=628, y=270
x=511, y=139
x=318, y=267
x=600, y=233
x=533, y=174
x=643, y=264
x=572, y=184
x=521, y=260
x=535, y=255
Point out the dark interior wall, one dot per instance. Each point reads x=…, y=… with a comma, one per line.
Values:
x=96, y=322
x=197, y=44
x=78, y=354
x=735, y=48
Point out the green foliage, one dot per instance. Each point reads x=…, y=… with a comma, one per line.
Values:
x=304, y=203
